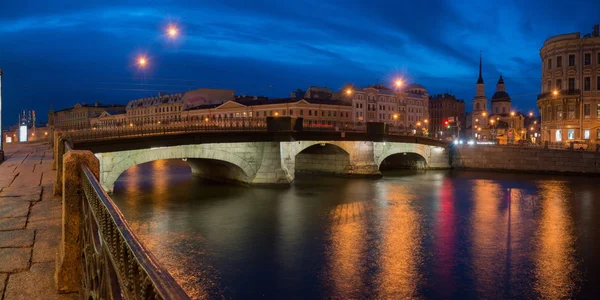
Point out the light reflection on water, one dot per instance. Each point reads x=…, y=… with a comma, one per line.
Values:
x=407, y=235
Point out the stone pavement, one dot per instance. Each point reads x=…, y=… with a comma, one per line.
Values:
x=30, y=224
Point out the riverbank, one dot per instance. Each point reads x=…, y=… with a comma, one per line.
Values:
x=30, y=224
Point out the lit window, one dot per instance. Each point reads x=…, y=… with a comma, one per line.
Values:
x=586, y=134
x=571, y=134
x=558, y=135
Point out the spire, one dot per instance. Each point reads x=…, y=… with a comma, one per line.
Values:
x=501, y=80
x=480, y=79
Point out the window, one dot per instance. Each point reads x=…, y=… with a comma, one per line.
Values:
x=586, y=134
x=571, y=134
x=310, y=112
x=322, y=113
x=571, y=112
x=598, y=58
x=559, y=113
x=356, y=105
x=587, y=83
x=598, y=83
x=291, y=112
x=598, y=133
x=301, y=112
x=559, y=61
x=571, y=60
x=598, y=111
x=549, y=85
x=586, y=110
x=587, y=59
x=558, y=84
x=571, y=84
x=549, y=63
x=558, y=135
x=357, y=114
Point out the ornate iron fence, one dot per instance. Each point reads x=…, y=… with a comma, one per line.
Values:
x=114, y=263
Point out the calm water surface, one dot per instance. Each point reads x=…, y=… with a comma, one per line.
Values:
x=408, y=235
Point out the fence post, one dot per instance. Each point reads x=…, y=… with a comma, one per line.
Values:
x=68, y=259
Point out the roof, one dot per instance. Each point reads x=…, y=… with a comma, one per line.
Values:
x=415, y=86
x=501, y=97
x=501, y=80
x=260, y=101
x=92, y=105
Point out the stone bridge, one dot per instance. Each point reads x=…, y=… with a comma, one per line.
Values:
x=266, y=158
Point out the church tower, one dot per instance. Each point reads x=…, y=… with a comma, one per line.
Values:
x=501, y=99
x=480, y=114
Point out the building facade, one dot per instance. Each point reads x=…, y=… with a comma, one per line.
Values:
x=329, y=113
x=445, y=107
x=405, y=109
x=79, y=116
x=155, y=110
x=569, y=102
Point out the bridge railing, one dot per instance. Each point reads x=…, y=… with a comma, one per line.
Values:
x=99, y=255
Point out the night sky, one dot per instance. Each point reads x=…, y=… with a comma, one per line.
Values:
x=67, y=51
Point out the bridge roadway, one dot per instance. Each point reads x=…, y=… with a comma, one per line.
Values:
x=260, y=158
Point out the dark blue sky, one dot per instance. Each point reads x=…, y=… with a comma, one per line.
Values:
x=68, y=51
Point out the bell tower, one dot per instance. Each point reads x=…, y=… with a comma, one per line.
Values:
x=480, y=114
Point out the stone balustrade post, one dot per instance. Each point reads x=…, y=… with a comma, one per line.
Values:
x=571, y=145
x=57, y=135
x=546, y=145
x=67, y=275
x=60, y=151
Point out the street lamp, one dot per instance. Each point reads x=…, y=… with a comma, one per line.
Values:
x=531, y=114
x=142, y=61
x=555, y=92
x=399, y=82
x=349, y=92
x=172, y=31
x=512, y=113
x=484, y=114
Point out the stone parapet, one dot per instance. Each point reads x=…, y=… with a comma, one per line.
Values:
x=485, y=157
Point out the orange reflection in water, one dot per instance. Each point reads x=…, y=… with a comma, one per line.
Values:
x=495, y=211
x=401, y=253
x=555, y=263
x=348, y=245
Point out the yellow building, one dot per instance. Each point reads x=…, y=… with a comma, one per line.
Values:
x=404, y=108
x=78, y=116
x=314, y=112
x=569, y=103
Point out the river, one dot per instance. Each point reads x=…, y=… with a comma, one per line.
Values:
x=410, y=234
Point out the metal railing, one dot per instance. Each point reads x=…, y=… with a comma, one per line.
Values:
x=115, y=264
x=215, y=125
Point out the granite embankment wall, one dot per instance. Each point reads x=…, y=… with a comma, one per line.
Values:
x=506, y=158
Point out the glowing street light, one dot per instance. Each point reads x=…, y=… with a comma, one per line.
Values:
x=532, y=128
x=399, y=82
x=512, y=113
x=484, y=114
x=395, y=116
x=142, y=61
x=276, y=114
x=555, y=92
x=492, y=122
x=172, y=31
x=426, y=121
x=419, y=124
x=531, y=114
x=349, y=92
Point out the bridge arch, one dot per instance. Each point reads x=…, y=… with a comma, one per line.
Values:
x=387, y=150
x=223, y=162
x=326, y=158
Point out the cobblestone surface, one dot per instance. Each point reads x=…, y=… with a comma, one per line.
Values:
x=29, y=224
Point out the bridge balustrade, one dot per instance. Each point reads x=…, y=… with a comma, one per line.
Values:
x=99, y=254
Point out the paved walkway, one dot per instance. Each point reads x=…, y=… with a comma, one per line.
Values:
x=30, y=219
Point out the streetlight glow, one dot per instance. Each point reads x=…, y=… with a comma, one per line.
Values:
x=348, y=92
x=172, y=31
x=142, y=61
x=512, y=113
x=484, y=114
x=395, y=116
x=555, y=92
x=399, y=82
x=531, y=114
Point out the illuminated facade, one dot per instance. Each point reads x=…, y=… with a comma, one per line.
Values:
x=406, y=109
x=569, y=102
x=78, y=116
x=155, y=110
x=314, y=112
x=444, y=107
